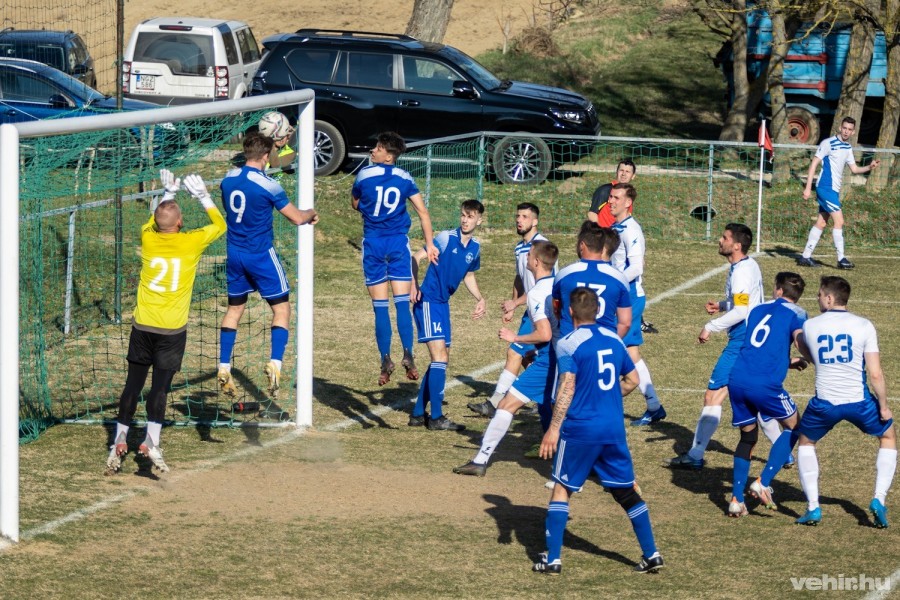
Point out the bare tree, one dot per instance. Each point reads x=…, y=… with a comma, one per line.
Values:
x=429, y=20
x=887, y=136
x=856, y=72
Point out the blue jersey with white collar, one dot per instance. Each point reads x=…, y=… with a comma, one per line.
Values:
x=600, y=276
x=382, y=191
x=248, y=196
x=454, y=263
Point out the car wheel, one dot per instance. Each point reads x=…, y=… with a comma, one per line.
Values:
x=803, y=126
x=521, y=160
x=329, y=149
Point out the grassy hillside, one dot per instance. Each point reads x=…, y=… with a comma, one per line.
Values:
x=646, y=65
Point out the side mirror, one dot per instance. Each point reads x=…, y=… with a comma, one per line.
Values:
x=59, y=101
x=464, y=89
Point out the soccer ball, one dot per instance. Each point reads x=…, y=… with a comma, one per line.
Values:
x=274, y=125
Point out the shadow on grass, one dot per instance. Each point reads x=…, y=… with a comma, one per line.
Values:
x=525, y=525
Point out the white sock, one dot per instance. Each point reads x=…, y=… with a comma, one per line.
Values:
x=121, y=430
x=646, y=386
x=226, y=366
x=808, y=467
x=706, y=427
x=814, y=234
x=277, y=362
x=153, y=431
x=838, y=236
x=507, y=378
x=771, y=428
x=495, y=431
x=885, y=466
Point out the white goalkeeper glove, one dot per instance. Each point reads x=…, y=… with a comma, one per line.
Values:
x=170, y=183
x=194, y=184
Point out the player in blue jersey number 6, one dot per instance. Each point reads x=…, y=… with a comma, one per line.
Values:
x=379, y=194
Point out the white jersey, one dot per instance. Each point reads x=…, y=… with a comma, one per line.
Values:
x=522, y=271
x=743, y=292
x=539, y=304
x=834, y=154
x=838, y=341
x=629, y=256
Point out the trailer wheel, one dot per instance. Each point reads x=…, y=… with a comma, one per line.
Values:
x=803, y=126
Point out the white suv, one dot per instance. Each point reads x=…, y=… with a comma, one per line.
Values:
x=182, y=60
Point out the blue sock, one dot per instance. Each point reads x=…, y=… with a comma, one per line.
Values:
x=422, y=399
x=778, y=455
x=382, y=327
x=279, y=342
x=554, y=528
x=436, y=381
x=741, y=474
x=227, y=335
x=640, y=521
x=404, y=321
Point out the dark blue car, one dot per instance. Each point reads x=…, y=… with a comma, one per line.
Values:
x=63, y=50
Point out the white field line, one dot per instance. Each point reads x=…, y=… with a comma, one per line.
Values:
x=339, y=426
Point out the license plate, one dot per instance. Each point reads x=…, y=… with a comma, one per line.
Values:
x=146, y=82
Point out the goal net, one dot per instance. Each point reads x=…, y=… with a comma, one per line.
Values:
x=82, y=197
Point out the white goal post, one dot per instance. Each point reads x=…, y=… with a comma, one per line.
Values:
x=10, y=135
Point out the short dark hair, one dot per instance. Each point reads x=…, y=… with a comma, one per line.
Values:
x=546, y=252
x=591, y=235
x=584, y=304
x=630, y=192
x=472, y=205
x=741, y=234
x=850, y=120
x=392, y=143
x=257, y=145
x=791, y=285
x=611, y=240
x=628, y=163
x=838, y=287
x=529, y=206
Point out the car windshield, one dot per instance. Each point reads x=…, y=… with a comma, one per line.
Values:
x=48, y=54
x=472, y=67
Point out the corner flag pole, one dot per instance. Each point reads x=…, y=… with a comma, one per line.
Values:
x=764, y=141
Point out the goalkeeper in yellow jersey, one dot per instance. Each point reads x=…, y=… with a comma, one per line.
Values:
x=169, y=259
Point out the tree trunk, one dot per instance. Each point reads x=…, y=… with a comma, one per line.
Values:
x=780, y=45
x=856, y=73
x=736, y=122
x=878, y=179
x=429, y=20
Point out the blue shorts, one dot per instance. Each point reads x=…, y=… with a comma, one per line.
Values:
x=821, y=416
x=635, y=337
x=768, y=401
x=256, y=271
x=576, y=459
x=829, y=200
x=536, y=382
x=432, y=321
x=722, y=371
x=386, y=258
x=525, y=327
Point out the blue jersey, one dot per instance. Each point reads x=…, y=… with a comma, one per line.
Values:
x=454, y=262
x=598, y=359
x=382, y=191
x=248, y=196
x=607, y=281
x=765, y=355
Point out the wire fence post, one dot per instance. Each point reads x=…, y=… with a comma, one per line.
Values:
x=709, y=190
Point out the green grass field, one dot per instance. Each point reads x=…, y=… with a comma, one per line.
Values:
x=363, y=506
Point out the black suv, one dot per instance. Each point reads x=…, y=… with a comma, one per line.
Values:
x=366, y=83
x=63, y=50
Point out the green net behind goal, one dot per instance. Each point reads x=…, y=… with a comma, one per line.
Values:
x=83, y=200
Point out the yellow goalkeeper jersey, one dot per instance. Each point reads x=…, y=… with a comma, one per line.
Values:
x=169, y=266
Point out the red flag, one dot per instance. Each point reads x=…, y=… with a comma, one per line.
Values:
x=764, y=140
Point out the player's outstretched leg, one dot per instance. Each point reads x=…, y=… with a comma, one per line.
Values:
x=494, y=433
x=554, y=528
x=639, y=515
x=808, y=467
x=885, y=467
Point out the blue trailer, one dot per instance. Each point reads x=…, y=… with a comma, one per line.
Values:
x=813, y=75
